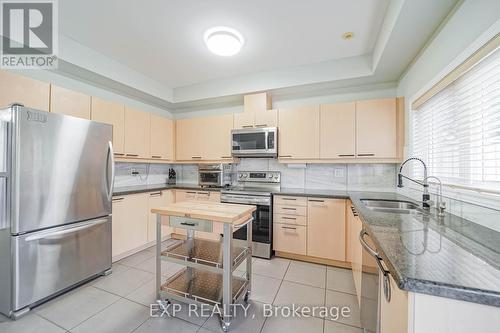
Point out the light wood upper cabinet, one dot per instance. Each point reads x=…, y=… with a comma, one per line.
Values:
x=69, y=102
x=159, y=199
x=299, y=133
x=114, y=114
x=216, y=137
x=338, y=130
x=326, y=228
x=256, y=112
x=162, y=138
x=137, y=133
x=19, y=89
x=187, y=139
x=376, y=128
x=130, y=223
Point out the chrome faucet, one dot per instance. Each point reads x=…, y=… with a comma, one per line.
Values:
x=440, y=204
x=426, y=198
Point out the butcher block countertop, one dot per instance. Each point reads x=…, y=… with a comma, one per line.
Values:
x=213, y=211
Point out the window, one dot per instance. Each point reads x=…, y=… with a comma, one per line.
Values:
x=457, y=131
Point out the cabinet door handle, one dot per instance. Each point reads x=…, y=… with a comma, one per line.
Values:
x=226, y=157
x=188, y=224
x=346, y=155
x=285, y=156
x=247, y=126
x=155, y=194
x=155, y=156
x=316, y=200
x=117, y=199
x=288, y=218
x=289, y=199
x=189, y=192
x=261, y=125
x=133, y=155
x=196, y=157
x=119, y=154
x=290, y=228
x=287, y=208
x=204, y=193
x=354, y=211
x=367, y=154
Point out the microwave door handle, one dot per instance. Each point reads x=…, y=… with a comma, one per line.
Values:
x=267, y=140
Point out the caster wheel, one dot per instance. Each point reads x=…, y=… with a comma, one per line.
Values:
x=247, y=296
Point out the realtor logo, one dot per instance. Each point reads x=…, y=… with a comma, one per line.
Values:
x=29, y=34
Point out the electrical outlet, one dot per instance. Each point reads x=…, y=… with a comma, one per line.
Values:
x=134, y=172
x=339, y=173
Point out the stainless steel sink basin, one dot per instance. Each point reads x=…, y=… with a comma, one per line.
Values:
x=396, y=206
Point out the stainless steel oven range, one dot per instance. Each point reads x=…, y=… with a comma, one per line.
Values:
x=255, y=188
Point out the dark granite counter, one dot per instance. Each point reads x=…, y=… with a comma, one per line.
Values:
x=160, y=187
x=452, y=258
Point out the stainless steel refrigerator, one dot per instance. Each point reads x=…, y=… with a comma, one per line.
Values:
x=56, y=184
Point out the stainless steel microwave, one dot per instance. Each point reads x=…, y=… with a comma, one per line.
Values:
x=255, y=142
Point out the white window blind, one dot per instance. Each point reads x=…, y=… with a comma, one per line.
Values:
x=457, y=131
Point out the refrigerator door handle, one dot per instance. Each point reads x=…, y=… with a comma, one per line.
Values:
x=65, y=231
x=111, y=156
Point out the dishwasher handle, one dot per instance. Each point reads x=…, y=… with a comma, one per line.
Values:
x=378, y=260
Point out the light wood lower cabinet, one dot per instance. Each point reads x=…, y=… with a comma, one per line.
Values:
x=69, y=102
x=20, y=89
x=159, y=199
x=326, y=228
x=289, y=238
x=130, y=223
x=356, y=252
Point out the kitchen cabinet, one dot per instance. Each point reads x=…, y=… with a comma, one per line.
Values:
x=130, y=223
x=137, y=133
x=326, y=228
x=162, y=138
x=299, y=133
x=376, y=128
x=289, y=238
x=159, y=199
x=393, y=314
x=338, y=131
x=20, y=89
x=114, y=114
x=215, y=139
x=256, y=112
x=69, y=102
x=207, y=138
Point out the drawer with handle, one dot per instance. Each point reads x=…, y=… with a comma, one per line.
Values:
x=191, y=224
x=290, y=201
x=290, y=210
x=288, y=238
x=287, y=219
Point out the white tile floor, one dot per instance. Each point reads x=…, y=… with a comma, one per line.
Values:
x=120, y=302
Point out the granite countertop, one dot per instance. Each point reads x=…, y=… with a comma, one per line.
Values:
x=453, y=258
x=159, y=187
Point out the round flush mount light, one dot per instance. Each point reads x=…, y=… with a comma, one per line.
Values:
x=348, y=35
x=224, y=41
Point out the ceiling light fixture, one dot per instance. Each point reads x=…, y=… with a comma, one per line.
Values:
x=224, y=41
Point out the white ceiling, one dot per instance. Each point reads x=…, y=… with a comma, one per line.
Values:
x=164, y=39
x=156, y=47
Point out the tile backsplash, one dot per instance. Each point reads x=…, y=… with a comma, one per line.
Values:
x=367, y=177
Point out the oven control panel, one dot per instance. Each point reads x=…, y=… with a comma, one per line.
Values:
x=259, y=176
